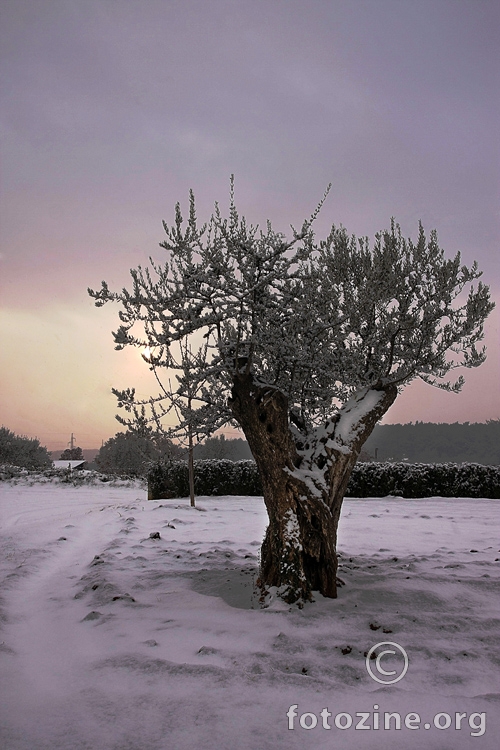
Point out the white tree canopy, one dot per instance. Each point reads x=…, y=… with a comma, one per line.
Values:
x=322, y=321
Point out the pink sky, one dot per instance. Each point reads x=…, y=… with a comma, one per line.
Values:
x=111, y=111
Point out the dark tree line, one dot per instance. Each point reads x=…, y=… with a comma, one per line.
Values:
x=131, y=453
x=426, y=442
x=422, y=442
x=219, y=447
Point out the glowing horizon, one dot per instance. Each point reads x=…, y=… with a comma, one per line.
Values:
x=113, y=111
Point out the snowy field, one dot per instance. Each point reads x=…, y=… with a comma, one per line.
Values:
x=112, y=640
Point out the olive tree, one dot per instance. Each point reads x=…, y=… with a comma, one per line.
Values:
x=305, y=345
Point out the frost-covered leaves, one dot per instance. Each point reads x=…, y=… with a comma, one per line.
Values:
x=392, y=307
x=320, y=321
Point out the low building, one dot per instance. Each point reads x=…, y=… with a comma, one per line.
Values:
x=71, y=465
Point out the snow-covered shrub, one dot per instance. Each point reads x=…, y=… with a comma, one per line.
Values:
x=8, y=471
x=16, y=475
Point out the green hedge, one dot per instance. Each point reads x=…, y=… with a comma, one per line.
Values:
x=223, y=477
x=424, y=480
x=211, y=477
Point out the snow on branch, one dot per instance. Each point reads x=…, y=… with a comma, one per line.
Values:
x=322, y=321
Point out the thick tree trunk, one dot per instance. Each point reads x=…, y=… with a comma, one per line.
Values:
x=298, y=552
x=303, y=498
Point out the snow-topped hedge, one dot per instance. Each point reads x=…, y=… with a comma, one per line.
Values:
x=424, y=480
x=83, y=477
x=223, y=477
x=211, y=477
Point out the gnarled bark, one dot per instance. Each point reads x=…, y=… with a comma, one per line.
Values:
x=303, y=501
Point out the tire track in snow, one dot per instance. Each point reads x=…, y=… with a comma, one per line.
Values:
x=39, y=641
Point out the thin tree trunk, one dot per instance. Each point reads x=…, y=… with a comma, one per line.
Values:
x=191, y=472
x=191, y=461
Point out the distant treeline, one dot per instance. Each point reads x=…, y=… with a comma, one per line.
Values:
x=426, y=442
x=422, y=442
x=218, y=447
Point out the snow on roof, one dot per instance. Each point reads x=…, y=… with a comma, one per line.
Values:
x=68, y=464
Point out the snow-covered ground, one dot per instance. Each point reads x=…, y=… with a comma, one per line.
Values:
x=112, y=640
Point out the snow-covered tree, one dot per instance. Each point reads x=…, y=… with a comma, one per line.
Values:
x=72, y=454
x=132, y=452
x=19, y=450
x=305, y=345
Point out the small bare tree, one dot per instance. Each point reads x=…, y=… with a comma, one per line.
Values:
x=187, y=401
x=305, y=346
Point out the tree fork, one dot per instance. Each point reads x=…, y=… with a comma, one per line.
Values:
x=340, y=468
x=298, y=553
